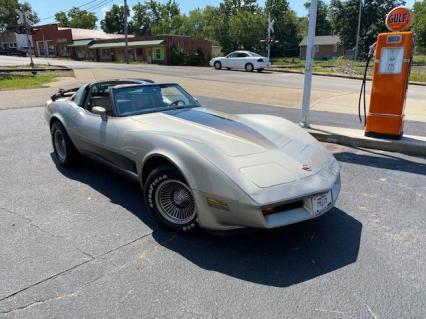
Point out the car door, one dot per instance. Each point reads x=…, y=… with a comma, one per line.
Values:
x=230, y=61
x=243, y=59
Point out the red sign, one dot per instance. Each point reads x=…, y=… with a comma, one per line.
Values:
x=399, y=19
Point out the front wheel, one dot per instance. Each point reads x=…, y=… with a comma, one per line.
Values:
x=65, y=151
x=217, y=65
x=170, y=199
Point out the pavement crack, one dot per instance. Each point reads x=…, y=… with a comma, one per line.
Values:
x=31, y=223
x=44, y=280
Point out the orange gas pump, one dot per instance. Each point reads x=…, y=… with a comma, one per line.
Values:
x=393, y=54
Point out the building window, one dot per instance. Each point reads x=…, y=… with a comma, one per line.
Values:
x=40, y=48
x=316, y=48
x=157, y=54
x=50, y=47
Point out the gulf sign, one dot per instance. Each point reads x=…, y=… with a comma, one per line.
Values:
x=399, y=19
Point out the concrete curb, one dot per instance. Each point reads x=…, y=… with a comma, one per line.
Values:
x=412, y=145
x=333, y=75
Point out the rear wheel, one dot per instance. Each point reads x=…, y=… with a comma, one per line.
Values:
x=170, y=199
x=65, y=152
x=217, y=65
x=249, y=67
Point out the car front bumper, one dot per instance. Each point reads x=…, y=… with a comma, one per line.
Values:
x=247, y=213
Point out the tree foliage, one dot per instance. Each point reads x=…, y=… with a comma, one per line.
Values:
x=76, y=18
x=323, y=24
x=286, y=27
x=114, y=20
x=152, y=17
x=8, y=17
x=344, y=19
x=419, y=24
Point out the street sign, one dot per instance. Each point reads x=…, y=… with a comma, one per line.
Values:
x=270, y=24
x=399, y=19
x=24, y=17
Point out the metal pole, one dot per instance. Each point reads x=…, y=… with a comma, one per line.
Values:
x=126, y=54
x=357, y=32
x=269, y=37
x=26, y=26
x=308, y=64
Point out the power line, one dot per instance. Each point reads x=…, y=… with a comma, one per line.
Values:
x=79, y=7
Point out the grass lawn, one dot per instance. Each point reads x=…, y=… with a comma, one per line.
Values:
x=347, y=67
x=18, y=82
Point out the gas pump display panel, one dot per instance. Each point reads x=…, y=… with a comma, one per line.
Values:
x=391, y=60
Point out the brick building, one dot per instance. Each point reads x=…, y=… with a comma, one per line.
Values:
x=54, y=41
x=149, y=49
x=83, y=44
x=325, y=47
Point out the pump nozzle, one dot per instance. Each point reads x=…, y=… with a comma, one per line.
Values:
x=371, y=52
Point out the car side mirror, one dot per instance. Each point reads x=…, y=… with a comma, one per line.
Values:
x=100, y=111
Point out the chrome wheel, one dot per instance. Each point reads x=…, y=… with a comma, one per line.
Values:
x=175, y=202
x=60, y=146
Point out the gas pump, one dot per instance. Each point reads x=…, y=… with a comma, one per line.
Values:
x=393, y=53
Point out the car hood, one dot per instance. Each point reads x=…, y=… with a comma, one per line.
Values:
x=267, y=150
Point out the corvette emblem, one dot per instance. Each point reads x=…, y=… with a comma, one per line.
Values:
x=307, y=167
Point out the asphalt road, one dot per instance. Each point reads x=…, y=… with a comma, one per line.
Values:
x=80, y=244
x=320, y=83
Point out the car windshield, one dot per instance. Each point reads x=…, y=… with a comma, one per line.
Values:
x=141, y=99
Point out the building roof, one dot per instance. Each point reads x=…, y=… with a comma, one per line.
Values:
x=81, y=43
x=123, y=44
x=82, y=34
x=322, y=40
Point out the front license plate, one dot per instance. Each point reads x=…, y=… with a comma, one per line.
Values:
x=321, y=202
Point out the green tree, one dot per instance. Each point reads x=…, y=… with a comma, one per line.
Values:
x=323, y=25
x=153, y=17
x=114, y=20
x=419, y=25
x=286, y=28
x=76, y=18
x=8, y=17
x=344, y=21
x=199, y=23
x=247, y=29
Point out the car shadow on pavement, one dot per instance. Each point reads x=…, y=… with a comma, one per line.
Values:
x=381, y=160
x=120, y=189
x=279, y=258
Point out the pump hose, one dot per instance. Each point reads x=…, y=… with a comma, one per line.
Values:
x=362, y=92
x=363, y=85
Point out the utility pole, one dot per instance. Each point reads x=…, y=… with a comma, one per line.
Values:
x=308, y=64
x=358, y=29
x=126, y=53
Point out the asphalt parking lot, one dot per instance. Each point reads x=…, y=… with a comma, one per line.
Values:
x=80, y=244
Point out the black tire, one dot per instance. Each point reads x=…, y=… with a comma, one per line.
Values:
x=217, y=65
x=65, y=152
x=229, y=69
x=170, y=200
x=249, y=67
x=260, y=70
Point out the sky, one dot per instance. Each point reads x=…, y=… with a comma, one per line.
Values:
x=47, y=8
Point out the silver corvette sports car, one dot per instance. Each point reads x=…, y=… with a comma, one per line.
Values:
x=196, y=166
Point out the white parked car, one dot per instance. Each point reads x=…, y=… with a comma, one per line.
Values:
x=246, y=60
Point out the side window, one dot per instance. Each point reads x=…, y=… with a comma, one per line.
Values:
x=242, y=55
x=233, y=55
